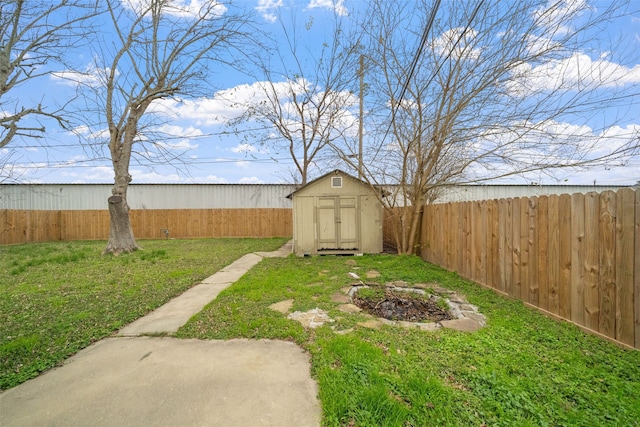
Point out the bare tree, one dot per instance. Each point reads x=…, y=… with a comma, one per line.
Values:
x=161, y=50
x=471, y=91
x=304, y=97
x=34, y=35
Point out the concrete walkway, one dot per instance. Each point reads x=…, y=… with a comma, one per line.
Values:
x=134, y=380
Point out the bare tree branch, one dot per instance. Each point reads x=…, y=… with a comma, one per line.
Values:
x=307, y=102
x=161, y=51
x=34, y=35
x=495, y=86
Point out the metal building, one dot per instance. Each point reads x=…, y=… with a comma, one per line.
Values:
x=336, y=214
x=471, y=192
x=146, y=196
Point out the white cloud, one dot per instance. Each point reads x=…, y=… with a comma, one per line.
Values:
x=462, y=38
x=244, y=148
x=556, y=144
x=210, y=179
x=225, y=106
x=181, y=8
x=250, y=180
x=230, y=104
x=180, y=145
x=85, y=131
x=93, y=174
x=335, y=5
x=180, y=131
x=92, y=76
x=242, y=164
x=557, y=15
x=267, y=8
x=577, y=72
x=249, y=149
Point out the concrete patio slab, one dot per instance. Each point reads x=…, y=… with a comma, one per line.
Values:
x=170, y=382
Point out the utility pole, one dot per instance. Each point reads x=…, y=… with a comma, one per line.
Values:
x=360, y=126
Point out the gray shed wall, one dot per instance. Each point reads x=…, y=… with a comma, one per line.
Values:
x=314, y=200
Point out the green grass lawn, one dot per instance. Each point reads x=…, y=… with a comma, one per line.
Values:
x=522, y=369
x=57, y=298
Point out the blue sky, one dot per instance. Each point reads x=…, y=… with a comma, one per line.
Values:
x=213, y=154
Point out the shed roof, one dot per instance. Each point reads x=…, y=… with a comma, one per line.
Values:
x=333, y=172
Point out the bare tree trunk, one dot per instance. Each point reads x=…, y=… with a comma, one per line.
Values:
x=121, y=238
x=120, y=232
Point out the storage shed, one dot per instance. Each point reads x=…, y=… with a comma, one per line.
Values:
x=336, y=214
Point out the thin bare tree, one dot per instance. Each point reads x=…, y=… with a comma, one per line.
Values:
x=160, y=50
x=471, y=91
x=304, y=95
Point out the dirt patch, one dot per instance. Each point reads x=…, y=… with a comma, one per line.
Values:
x=398, y=305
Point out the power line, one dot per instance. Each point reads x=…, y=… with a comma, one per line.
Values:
x=82, y=163
x=412, y=69
x=435, y=73
x=104, y=143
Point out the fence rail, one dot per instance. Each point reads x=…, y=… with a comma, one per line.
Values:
x=575, y=256
x=19, y=226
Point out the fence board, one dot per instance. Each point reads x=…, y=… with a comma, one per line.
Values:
x=591, y=261
x=577, y=258
x=542, y=250
x=624, y=257
x=607, y=291
x=479, y=238
x=565, y=257
x=553, y=255
x=636, y=272
x=40, y=226
x=493, y=243
x=515, y=235
x=513, y=256
x=452, y=222
x=532, y=242
x=571, y=256
x=503, y=226
x=524, y=250
x=468, y=246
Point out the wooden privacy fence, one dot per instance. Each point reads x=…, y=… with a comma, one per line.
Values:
x=574, y=256
x=18, y=226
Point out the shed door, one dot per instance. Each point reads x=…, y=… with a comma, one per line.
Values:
x=337, y=223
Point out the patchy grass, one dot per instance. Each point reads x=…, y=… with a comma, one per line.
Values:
x=522, y=369
x=57, y=298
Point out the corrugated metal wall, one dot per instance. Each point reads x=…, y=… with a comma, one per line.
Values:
x=230, y=196
x=467, y=193
x=145, y=196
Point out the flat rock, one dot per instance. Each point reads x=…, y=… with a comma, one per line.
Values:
x=429, y=326
x=397, y=284
x=340, y=298
x=372, y=274
x=407, y=325
x=462, y=325
x=475, y=316
x=313, y=318
x=282, y=306
x=371, y=324
x=459, y=299
x=349, y=308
